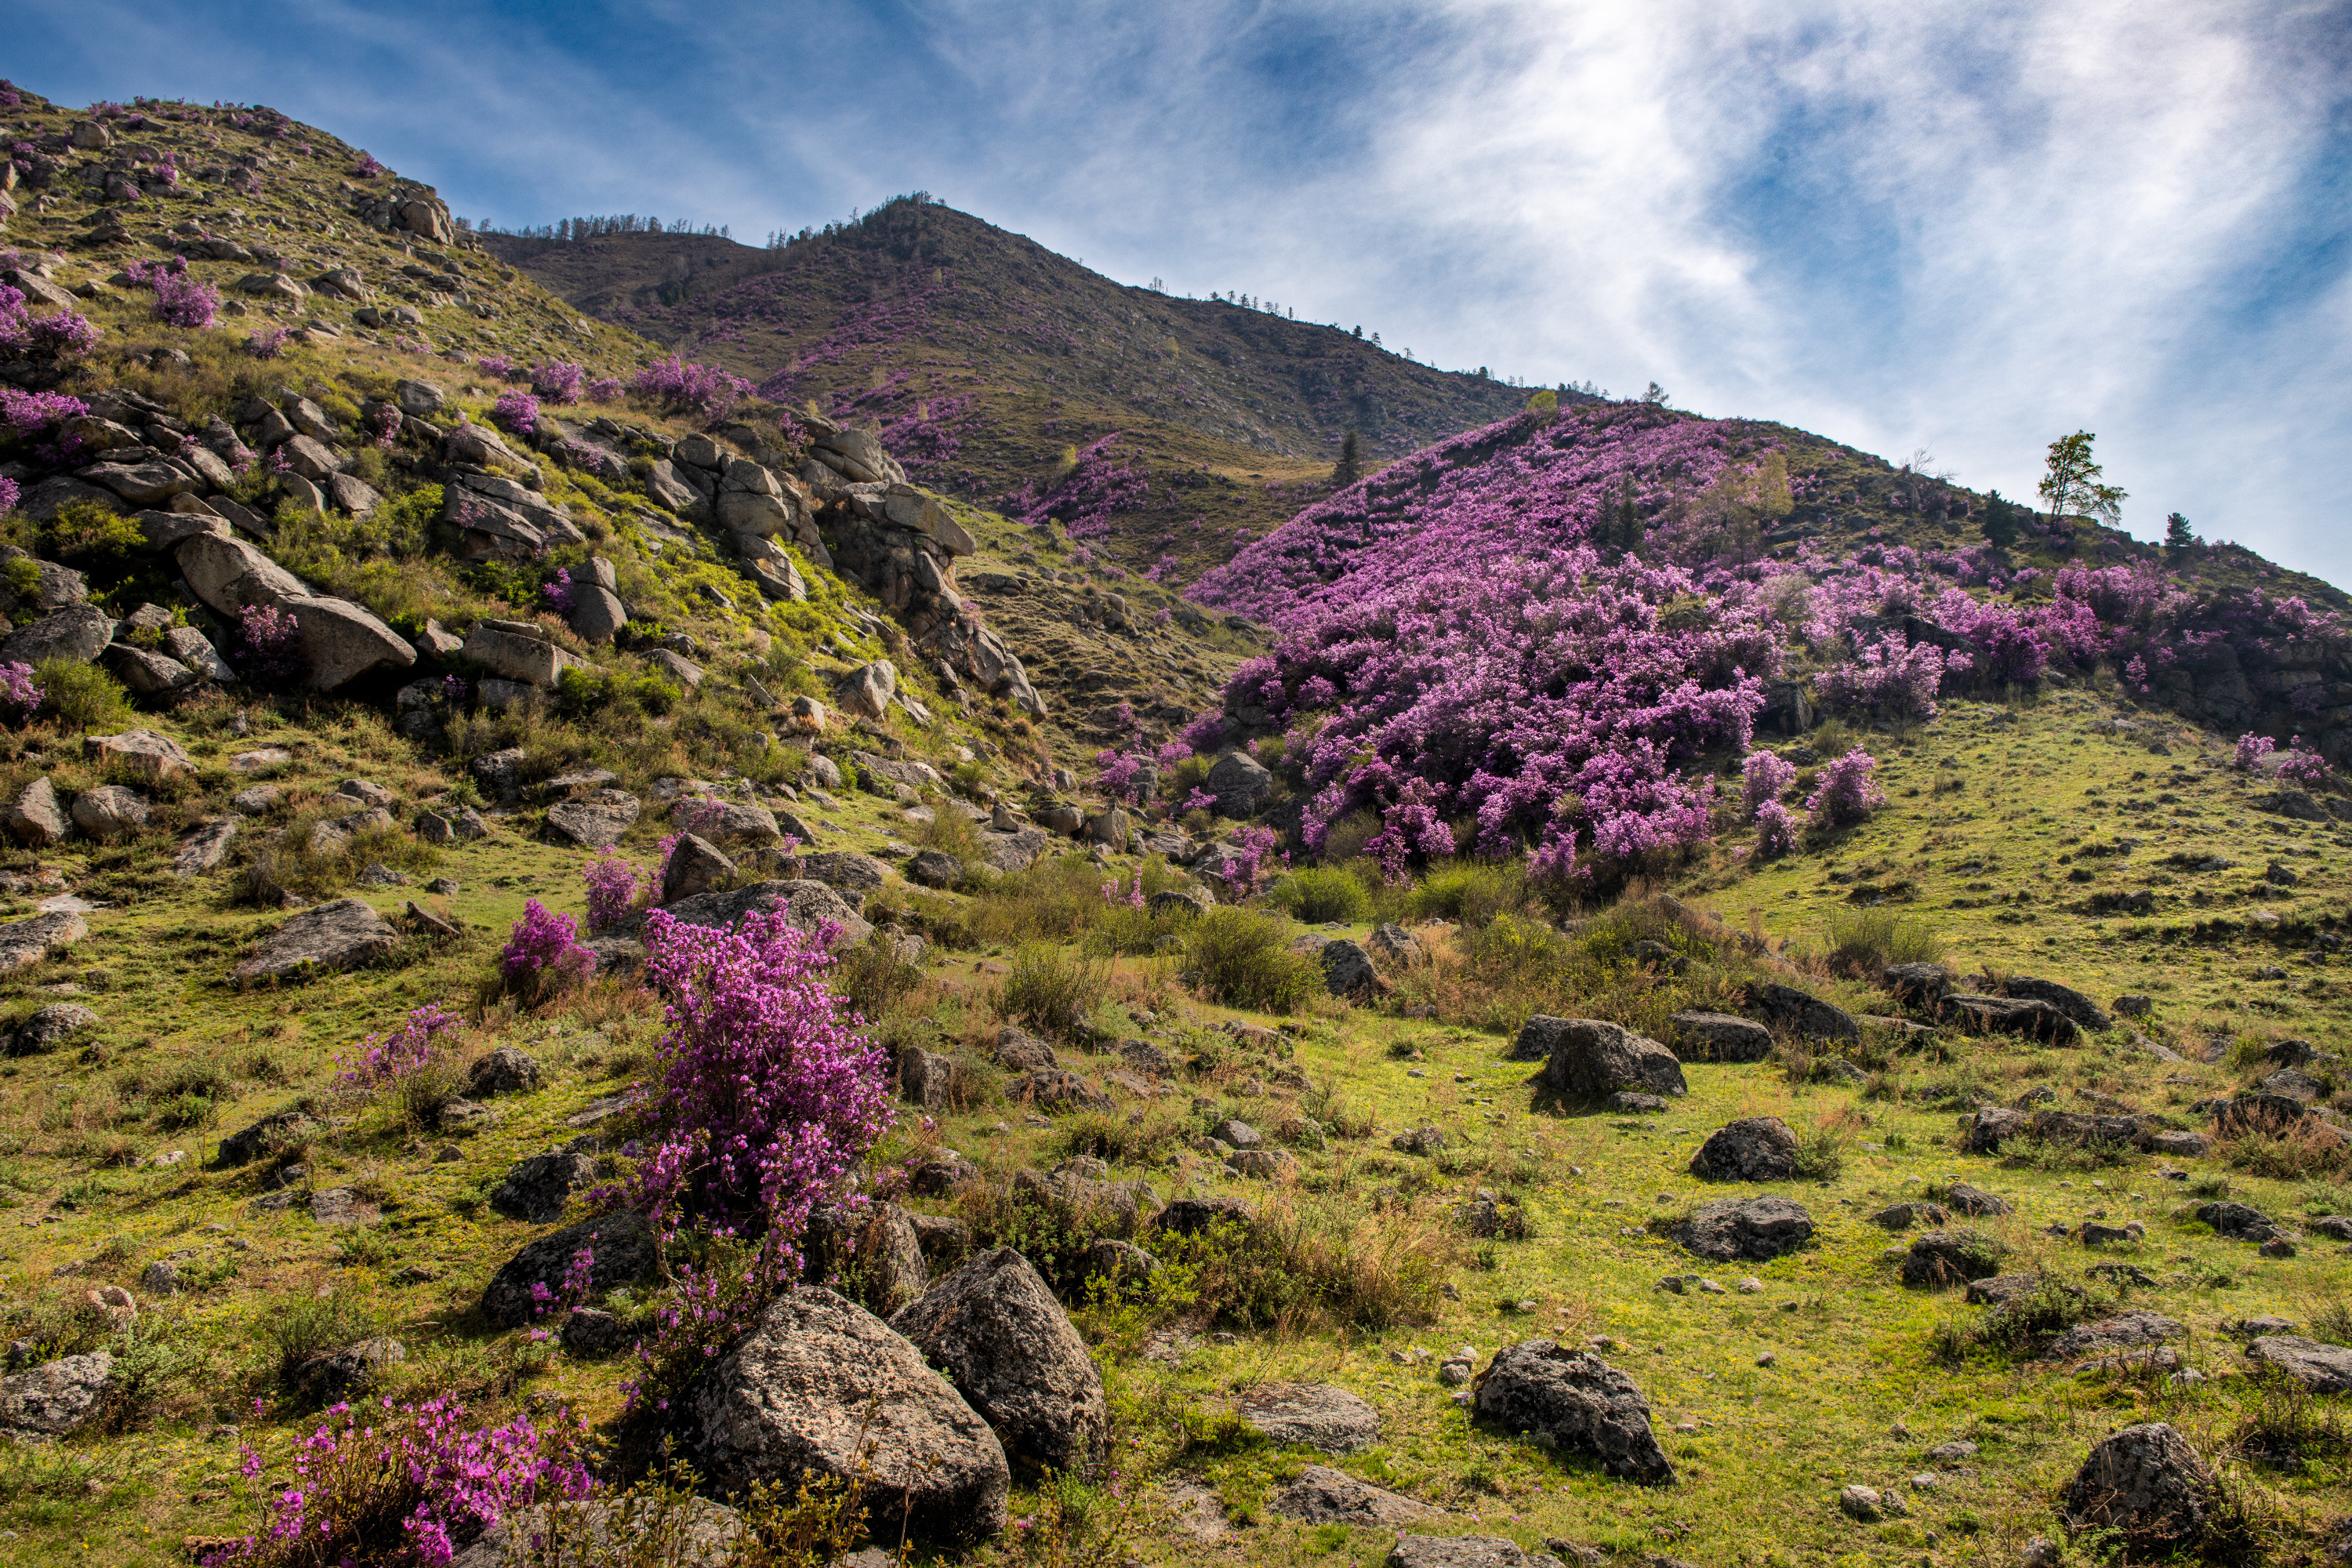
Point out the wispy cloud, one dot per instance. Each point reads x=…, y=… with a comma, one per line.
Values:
x=1970, y=226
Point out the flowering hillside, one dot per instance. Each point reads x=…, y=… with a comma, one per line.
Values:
x=1542, y=637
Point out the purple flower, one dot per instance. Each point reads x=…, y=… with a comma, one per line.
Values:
x=20, y=694
x=543, y=953
x=700, y=389
x=557, y=380
x=1844, y=791
x=516, y=412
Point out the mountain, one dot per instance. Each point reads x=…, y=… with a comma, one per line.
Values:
x=1001, y=372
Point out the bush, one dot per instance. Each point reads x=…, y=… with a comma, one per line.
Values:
x=86, y=531
x=1321, y=894
x=1240, y=957
x=82, y=696
x=1053, y=990
x=2025, y=1323
x=872, y=978
x=543, y=955
x=1864, y=941
x=1472, y=891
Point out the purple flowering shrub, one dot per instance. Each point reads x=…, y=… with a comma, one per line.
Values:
x=557, y=380
x=268, y=647
x=557, y=591
x=498, y=365
x=1252, y=865
x=2252, y=749
x=27, y=414
x=1766, y=774
x=10, y=494
x=66, y=334
x=1776, y=830
x=420, y=1044
x=683, y=388
x=542, y=955
x=1091, y=488
x=614, y=888
x=770, y=1095
x=606, y=389
x=1844, y=791
x=20, y=694
x=420, y=1474
x=180, y=299
x=266, y=343
x=516, y=412
x=1890, y=678
x=2303, y=767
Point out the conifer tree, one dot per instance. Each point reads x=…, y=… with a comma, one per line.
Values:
x=2178, y=535
x=1350, y=466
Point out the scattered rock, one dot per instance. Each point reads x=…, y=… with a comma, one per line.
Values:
x=109, y=811
x=1755, y=1148
x=821, y=1386
x=935, y=869
x=2085, y=1013
x=871, y=1254
x=35, y=819
x=2239, y=1222
x=49, y=1028
x=509, y=1070
x=1325, y=1496
x=1720, y=1038
x=1579, y=1401
x=1392, y=945
x=1312, y=1416
x=696, y=1533
x=1055, y=1092
x=26, y=942
x=623, y=1252
x=340, y=1374
x=1790, y=1011
x=56, y=1397
x=1592, y=1057
x=1973, y=1202
x=696, y=866
x=1947, y=1258
x=2321, y=1368
x=2147, y=1484
x=339, y=935
x=1903, y=1216
x=538, y=1188
x=1756, y=1229
x=595, y=821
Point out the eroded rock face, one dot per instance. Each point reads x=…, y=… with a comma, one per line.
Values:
x=2147, y=1484
x=1755, y=1148
x=2321, y=1368
x=995, y=1329
x=1755, y=1229
x=822, y=1382
x=1593, y=1057
x=1580, y=1402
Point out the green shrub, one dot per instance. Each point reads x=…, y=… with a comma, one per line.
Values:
x=950, y=832
x=81, y=695
x=1864, y=941
x=1239, y=957
x=1320, y=894
x=2022, y=1324
x=1472, y=892
x=298, y=1326
x=1053, y=990
x=86, y=531
x=872, y=978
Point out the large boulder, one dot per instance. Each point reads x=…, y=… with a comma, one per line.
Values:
x=822, y=1390
x=846, y=870
x=1240, y=784
x=1593, y=1057
x=146, y=674
x=341, y=642
x=692, y=1533
x=597, y=614
x=516, y=650
x=592, y=821
x=2239, y=1222
x=1793, y=1011
x=56, y=1397
x=870, y=1253
x=622, y=1251
x=2085, y=1013
x=109, y=811
x=1312, y=1416
x=1321, y=1495
x=995, y=1329
x=26, y=942
x=695, y=866
x=1939, y=1258
x=1720, y=1038
x=35, y=819
x=1754, y=1229
x=339, y=935
x=1576, y=1400
x=142, y=754
x=808, y=905
x=2321, y=1368
x=1754, y=1149
x=867, y=689
x=538, y=1188
x=78, y=634
x=228, y=575
x=2148, y=1485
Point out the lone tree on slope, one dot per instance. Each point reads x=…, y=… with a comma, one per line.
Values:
x=2072, y=484
x=1350, y=466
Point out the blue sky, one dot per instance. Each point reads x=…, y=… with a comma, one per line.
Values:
x=1964, y=228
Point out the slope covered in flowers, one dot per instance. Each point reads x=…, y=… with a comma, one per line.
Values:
x=1546, y=635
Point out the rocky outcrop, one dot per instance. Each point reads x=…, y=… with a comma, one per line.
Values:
x=822, y=1390
x=2321, y=1368
x=2146, y=1484
x=1753, y=1229
x=339, y=935
x=1311, y=1416
x=809, y=905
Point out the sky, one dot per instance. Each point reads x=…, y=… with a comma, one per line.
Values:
x=1962, y=227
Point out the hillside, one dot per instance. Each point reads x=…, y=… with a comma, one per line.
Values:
x=987, y=360
x=566, y=970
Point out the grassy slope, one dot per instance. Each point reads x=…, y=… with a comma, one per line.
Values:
x=923, y=303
